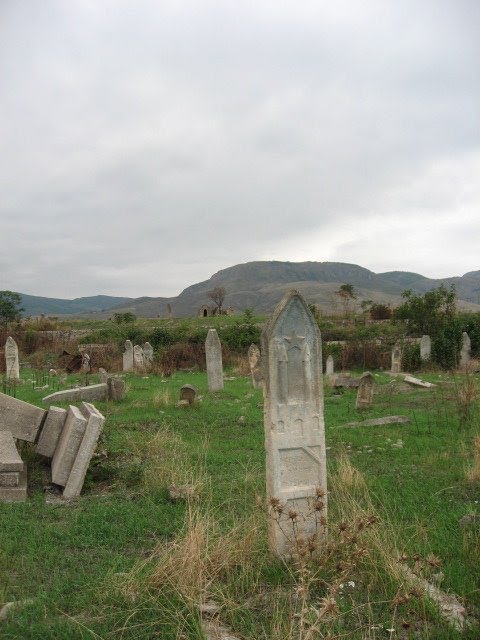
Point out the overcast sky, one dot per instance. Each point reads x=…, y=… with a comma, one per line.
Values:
x=145, y=145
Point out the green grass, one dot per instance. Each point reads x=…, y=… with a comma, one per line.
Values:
x=75, y=562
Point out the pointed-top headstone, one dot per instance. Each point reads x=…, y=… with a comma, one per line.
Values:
x=213, y=355
x=294, y=425
x=465, y=352
x=128, y=356
x=12, y=365
x=425, y=348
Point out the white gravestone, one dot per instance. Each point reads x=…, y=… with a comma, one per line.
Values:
x=329, y=368
x=11, y=359
x=148, y=354
x=128, y=356
x=294, y=425
x=465, y=352
x=425, y=348
x=138, y=359
x=396, y=359
x=213, y=355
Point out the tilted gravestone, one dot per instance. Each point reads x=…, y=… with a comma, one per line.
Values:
x=128, y=356
x=138, y=359
x=148, y=354
x=294, y=426
x=12, y=363
x=465, y=352
x=116, y=388
x=329, y=367
x=188, y=393
x=365, y=391
x=425, y=348
x=213, y=355
x=254, y=360
x=396, y=359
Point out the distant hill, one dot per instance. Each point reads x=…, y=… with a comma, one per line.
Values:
x=260, y=285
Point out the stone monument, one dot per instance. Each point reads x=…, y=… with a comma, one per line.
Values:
x=148, y=354
x=425, y=348
x=128, y=356
x=138, y=359
x=254, y=360
x=213, y=355
x=465, y=352
x=329, y=366
x=396, y=359
x=85, y=363
x=365, y=391
x=12, y=365
x=294, y=426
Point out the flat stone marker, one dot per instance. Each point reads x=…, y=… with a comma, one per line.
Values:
x=138, y=359
x=17, y=493
x=329, y=366
x=12, y=363
x=254, y=360
x=128, y=356
x=97, y=392
x=378, y=422
x=347, y=383
x=93, y=429
x=425, y=349
x=103, y=375
x=365, y=391
x=51, y=430
x=396, y=359
x=116, y=389
x=294, y=426
x=465, y=352
x=189, y=393
x=416, y=382
x=148, y=354
x=10, y=460
x=213, y=355
x=68, y=446
x=22, y=419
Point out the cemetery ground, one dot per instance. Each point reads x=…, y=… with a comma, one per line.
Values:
x=127, y=560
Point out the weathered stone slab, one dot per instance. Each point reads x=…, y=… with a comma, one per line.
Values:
x=348, y=383
x=213, y=354
x=396, y=359
x=93, y=429
x=10, y=479
x=17, y=493
x=85, y=363
x=103, y=375
x=189, y=393
x=138, y=359
x=254, y=360
x=116, y=389
x=416, y=382
x=97, y=392
x=294, y=426
x=365, y=391
x=10, y=459
x=425, y=348
x=128, y=356
x=148, y=354
x=378, y=422
x=12, y=363
x=68, y=446
x=465, y=352
x=329, y=366
x=50, y=433
x=22, y=419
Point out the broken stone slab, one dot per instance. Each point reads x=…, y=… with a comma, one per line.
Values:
x=68, y=446
x=416, y=382
x=17, y=493
x=103, y=375
x=343, y=381
x=10, y=460
x=50, y=434
x=97, y=392
x=93, y=429
x=378, y=422
x=189, y=393
x=22, y=419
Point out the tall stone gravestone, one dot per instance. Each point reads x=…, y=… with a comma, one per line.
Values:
x=365, y=391
x=138, y=359
x=12, y=365
x=169, y=311
x=128, y=356
x=213, y=355
x=329, y=366
x=294, y=425
x=148, y=354
x=425, y=348
x=85, y=363
x=465, y=352
x=254, y=360
x=396, y=359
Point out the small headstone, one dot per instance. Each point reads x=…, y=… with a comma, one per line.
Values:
x=425, y=349
x=254, y=360
x=465, y=352
x=85, y=363
x=213, y=354
x=12, y=363
x=52, y=372
x=138, y=359
x=148, y=354
x=365, y=391
x=97, y=392
x=294, y=425
x=330, y=367
x=51, y=430
x=128, y=356
x=103, y=375
x=396, y=359
x=189, y=393
x=116, y=388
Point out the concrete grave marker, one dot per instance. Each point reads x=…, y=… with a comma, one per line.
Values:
x=85, y=363
x=189, y=393
x=116, y=389
x=329, y=366
x=293, y=419
x=213, y=354
x=22, y=419
x=138, y=359
x=396, y=359
x=68, y=445
x=465, y=352
x=51, y=431
x=91, y=392
x=254, y=360
x=128, y=356
x=148, y=354
x=365, y=391
x=425, y=349
x=12, y=364
x=103, y=375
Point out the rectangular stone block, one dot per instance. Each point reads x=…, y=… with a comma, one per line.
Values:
x=94, y=427
x=92, y=392
x=68, y=446
x=50, y=434
x=9, y=479
x=15, y=494
x=9, y=457
x=23, y=420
